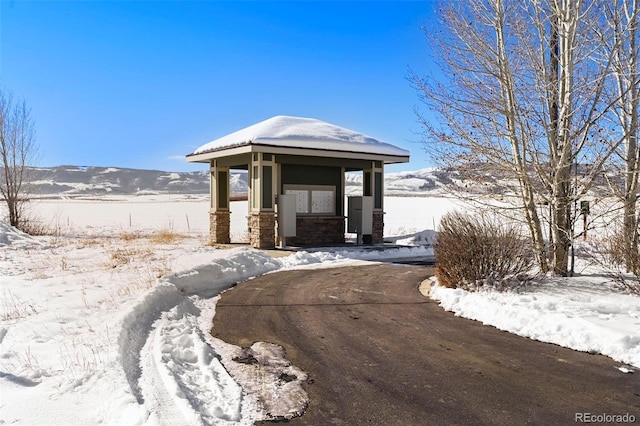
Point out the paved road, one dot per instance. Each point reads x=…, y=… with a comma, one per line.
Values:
x=379, y=353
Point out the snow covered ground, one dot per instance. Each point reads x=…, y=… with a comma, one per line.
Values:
x=189, y=214
x=587, y=313
x=108, y=322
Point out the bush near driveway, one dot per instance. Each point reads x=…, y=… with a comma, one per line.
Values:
x=476, y=251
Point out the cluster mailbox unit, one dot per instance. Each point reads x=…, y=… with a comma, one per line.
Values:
x=296, y=173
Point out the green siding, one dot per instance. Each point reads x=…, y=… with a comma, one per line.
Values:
x=222, y=180
x=267, y=187
x=377, y=195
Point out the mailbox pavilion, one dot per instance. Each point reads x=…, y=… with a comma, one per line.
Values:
x=302, y=161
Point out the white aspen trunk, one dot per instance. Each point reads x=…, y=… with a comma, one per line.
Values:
x=624, y=21
x=632, y=151
x=630, y=225
x=517, y=149
x=565, y=26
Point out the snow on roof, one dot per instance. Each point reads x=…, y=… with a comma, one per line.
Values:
x=297, y=132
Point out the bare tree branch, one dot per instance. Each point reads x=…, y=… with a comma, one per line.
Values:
x=521, y=94
x=17, y=151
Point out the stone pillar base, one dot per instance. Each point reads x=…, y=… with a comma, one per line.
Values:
x=377, y=237
x=262, y=230
x=219, y=226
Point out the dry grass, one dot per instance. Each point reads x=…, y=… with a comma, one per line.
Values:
x=162, y=236
x=165, y=236
x=90, y=242
x=130, y=236
x=124, y=255
x=14, y=307
x=145, y=277
x=140, y=260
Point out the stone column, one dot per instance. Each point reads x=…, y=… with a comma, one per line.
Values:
x=378, y=227
x=262, y=230
x=219, y=215
x=219, y=227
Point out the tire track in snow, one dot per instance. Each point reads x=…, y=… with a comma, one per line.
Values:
x=168, y=364
x=182, y=378
x=160, y=403
x=135, y=331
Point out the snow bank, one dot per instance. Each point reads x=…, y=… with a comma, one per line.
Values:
x=582, y=313
x=211, y=279
x=333, y=257
x=164, y=353
x=422, y=238
x=11, y=236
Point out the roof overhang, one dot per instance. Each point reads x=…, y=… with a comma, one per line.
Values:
x=206, y=157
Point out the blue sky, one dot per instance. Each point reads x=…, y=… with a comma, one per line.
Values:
x=141, y=84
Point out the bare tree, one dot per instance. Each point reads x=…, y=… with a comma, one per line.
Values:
x=17, y=150
x=520, y=95
x=622, y=16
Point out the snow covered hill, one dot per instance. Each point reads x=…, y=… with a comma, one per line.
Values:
x=79, y=180
x=95, y=181
x=413, y=183
x=73, y=181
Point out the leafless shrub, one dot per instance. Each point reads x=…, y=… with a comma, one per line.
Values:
x=475, y=251
x=615, y=257
x=618, y=253
x=36, y=227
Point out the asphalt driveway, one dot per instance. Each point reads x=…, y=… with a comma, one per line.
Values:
x=377, y=352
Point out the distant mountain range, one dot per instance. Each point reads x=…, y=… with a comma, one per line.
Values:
x=96, y=181
x=78, y=180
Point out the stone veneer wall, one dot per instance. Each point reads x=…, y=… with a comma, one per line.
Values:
x=262, y=230
x=377, y=235
x=318, y=230
x=378, y=227
x=219, y=227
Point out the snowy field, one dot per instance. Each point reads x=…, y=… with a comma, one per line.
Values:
x=188, y=214
x=107, y=322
